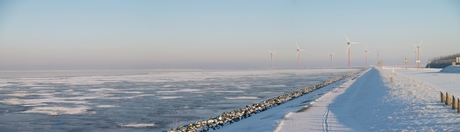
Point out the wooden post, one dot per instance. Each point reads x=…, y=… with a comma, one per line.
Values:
x=449, y=100
x=443, y=99
x=454, y=103
x=458, y=108
x=391, y=79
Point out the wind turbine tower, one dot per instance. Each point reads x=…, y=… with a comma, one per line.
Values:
x=415, y=57
x=331, y=54
x=271, y=57
x=418, y=54
x=348, y=50
x=298, y=55
x=366, y=55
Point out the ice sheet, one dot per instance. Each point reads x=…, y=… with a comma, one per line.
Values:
x=56, y=110
x=242, y=98
x=137, y=125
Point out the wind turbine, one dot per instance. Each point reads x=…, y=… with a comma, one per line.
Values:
x=366, y=54
x=298, y=55
x=348, y=49
x=418, y=54
x=271, y=58
x=331, y=54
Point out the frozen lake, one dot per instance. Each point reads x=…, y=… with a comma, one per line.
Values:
x=152, y=100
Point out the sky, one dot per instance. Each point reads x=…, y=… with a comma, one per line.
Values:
x=224, y=34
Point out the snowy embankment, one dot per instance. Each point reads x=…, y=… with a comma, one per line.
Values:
x=269, y=120
x=369, y=103
x=451, y=69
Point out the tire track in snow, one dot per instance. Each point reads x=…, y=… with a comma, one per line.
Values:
x=326, y=113
x=325, y=125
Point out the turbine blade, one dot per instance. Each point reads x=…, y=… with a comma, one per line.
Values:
x=270, y=51
x=302, y=50
x=297, y=45
x=354, y=42
x=347, y=38
x=421, y=43
x=275, y=52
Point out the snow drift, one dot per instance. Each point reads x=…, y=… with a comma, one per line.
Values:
x=451, y=69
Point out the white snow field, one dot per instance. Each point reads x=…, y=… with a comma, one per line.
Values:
x=369, y=103
x=447, y=81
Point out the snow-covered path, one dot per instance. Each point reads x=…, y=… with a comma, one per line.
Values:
x=268, y=120
x=317, y=115
x=322, y=115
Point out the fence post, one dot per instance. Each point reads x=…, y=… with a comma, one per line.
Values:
x=449, y=100
x=391, y=79
x=454, y=103
x=443, y=99
x=458, y=108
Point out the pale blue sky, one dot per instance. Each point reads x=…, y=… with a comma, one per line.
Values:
x=103, y=34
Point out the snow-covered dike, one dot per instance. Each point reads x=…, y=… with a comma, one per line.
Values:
x=369, y=103
x=372, y=103
x=269, y=120
x=451, y=69
x=318, y=116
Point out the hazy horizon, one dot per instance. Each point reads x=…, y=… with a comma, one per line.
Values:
x=102, y=34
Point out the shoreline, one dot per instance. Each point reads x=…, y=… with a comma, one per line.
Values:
x=220, y=122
